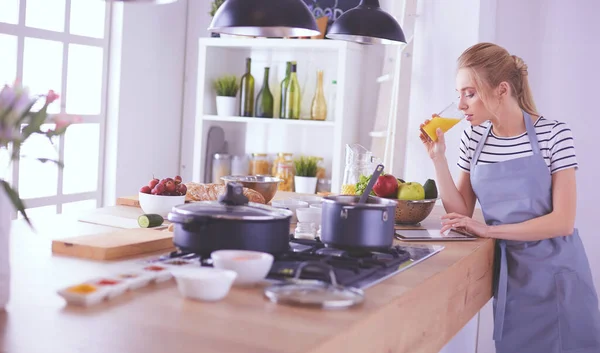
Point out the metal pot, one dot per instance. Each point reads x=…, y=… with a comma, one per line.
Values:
x=230, y=223
x=350, y=225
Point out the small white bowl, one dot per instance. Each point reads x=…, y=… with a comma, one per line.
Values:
x=290, y=204
x=251, y=266
x=204, y=283
x=159, y=204
x=113, y=285
x=309, y=215
x=309, y=199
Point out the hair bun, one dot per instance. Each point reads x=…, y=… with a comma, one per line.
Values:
x=520, y=65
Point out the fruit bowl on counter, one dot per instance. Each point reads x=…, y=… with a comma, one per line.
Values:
x=414, y=202
x=413, y=211
x=160, y=196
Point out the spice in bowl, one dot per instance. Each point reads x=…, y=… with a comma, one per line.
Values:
x=82, y=289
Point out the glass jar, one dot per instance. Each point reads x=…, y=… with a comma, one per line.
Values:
x=259, y=164
x=221, y=167
x=285, y=172
x=240, y=165
x=280, y=157
x=321, y=172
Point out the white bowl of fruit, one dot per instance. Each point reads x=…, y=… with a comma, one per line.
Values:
x=160, y=196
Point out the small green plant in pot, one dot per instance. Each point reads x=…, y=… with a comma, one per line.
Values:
x=226, y=88
x=305, y=179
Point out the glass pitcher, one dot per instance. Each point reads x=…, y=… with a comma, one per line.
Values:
x=359, y=161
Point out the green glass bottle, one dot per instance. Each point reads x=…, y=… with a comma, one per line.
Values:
x=264, y=99
x=292, y=96
x=247, y=91
x=284, y=84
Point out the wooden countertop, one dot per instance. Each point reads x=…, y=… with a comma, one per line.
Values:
x=418, y=310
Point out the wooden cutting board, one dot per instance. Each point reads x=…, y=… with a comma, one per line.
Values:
x=115, y=245
x=129, y=201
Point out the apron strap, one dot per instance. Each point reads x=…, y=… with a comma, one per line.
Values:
x=479, y=147
x=535, y=147
x=501, y=294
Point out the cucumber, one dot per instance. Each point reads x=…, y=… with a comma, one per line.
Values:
x=150, y=220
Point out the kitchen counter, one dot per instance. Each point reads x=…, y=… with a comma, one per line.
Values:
x=418, y=310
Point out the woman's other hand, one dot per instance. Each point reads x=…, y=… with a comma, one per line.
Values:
x=458, y=221
x=437, y=149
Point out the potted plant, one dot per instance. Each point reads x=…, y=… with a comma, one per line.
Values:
x=17, y=110
x=226, y=87
x=305, y=179
x=214, y=6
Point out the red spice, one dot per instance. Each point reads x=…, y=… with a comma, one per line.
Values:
x=154, y=268
x=107, y=282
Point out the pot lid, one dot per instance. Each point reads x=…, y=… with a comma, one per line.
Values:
x=315, y=293
x=215, y=209
x=232, y=205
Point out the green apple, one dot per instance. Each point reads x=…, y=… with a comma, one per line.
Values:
x=411, y=191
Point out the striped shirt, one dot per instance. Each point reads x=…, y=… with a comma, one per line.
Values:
x=554, y=138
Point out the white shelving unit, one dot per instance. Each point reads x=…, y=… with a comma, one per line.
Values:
x=340, y=61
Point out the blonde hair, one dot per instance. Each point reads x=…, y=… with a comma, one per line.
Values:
x=490, y=65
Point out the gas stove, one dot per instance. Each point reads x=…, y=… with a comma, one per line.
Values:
x=360, y=270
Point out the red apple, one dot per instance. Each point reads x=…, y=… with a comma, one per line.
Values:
x=386, y=186
x=178, y=180
x=160, y=188
x=146, y=189
x=182, y=189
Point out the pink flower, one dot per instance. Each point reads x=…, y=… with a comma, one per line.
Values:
x=51, y=97
x=63, y=121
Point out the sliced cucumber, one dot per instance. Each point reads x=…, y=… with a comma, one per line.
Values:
x=150, y=220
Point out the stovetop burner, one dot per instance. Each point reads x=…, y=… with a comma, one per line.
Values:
x=356, y=269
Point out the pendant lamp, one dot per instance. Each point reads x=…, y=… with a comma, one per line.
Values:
x=367, y=23
x=264, y=18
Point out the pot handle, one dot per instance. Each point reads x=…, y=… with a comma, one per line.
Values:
x=318, y=265
x=344, y=213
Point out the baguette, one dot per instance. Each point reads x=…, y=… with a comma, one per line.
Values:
x=211, y=192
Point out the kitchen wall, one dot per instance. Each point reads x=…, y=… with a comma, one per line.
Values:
x=145, y=96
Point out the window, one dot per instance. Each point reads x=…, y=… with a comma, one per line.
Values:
x=60, y=45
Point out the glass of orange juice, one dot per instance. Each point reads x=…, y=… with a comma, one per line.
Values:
x=445, y=120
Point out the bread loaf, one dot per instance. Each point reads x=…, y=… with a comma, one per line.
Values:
x=211, y=192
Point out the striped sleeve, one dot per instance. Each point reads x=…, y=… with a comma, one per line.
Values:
x=464, y=155
x=562, y=148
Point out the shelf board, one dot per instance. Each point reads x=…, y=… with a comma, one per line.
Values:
x=268, y=121
x=280, y=43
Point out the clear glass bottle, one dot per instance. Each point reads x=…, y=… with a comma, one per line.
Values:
x=318, y=108
x=247, y=91
x=221, y=167
x=293, y=96
x=264, y=99
x=240, y=165
x=332, y=99
x=284, y=85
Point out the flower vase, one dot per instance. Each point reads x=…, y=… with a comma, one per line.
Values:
x=5, y=223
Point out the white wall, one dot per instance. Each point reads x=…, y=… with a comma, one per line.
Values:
x=146, y=96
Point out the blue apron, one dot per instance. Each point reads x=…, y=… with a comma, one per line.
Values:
x=544, y=296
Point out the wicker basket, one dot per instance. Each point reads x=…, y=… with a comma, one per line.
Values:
x=413, y=211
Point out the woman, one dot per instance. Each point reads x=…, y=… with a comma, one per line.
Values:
x=521, y=167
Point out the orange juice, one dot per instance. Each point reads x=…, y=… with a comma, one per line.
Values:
x=443, y=123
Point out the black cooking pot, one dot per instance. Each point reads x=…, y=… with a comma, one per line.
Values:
x=230, y=223
x=350, y=225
